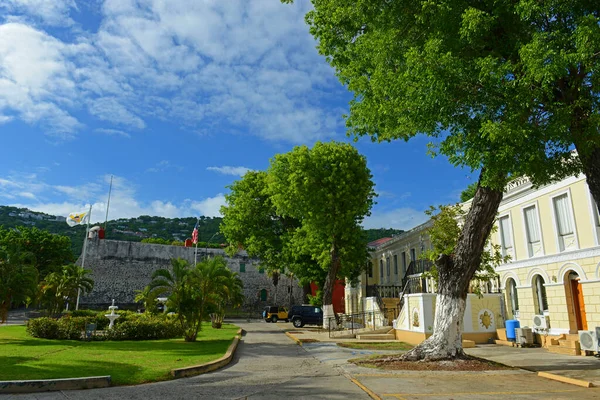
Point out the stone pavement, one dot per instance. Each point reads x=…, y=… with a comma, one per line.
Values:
x=516, y=384
x=541, y=360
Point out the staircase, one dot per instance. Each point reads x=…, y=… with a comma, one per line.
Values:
x=389, y=335
x=567, y=344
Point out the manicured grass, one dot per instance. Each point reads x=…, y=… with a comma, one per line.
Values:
x=128, y=362
x=377, y=346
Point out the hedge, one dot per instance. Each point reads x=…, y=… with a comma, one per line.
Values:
x=131, y=327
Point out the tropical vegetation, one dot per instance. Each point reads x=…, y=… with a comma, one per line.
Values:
x=505, y=88
x=128, y=363
x=195, y=292
x=303, y=215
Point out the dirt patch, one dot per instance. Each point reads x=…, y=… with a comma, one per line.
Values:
x=467, y=364
x=308, y=340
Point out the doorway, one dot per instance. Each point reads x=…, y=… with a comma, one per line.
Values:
x=576, y=305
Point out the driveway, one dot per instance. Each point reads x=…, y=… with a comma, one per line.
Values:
x=267, y=365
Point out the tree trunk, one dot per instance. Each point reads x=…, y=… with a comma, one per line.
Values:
x=590, y=160
x=328, y=289
x=455, y=272
x=306, y=290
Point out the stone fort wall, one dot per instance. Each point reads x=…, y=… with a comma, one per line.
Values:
x=119, y=268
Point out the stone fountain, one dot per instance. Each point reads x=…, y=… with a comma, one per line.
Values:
x=112, y=316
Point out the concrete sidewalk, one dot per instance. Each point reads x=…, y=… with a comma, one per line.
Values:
x=517, y=384
x=541, y=360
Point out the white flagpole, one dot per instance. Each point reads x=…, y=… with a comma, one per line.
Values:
x=85, y=240
x=197, y=240
x=108, y=203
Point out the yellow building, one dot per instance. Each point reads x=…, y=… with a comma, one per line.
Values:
x=552, y=282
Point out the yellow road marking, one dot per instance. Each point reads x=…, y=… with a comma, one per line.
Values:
x=366, y=389
x=401, y=395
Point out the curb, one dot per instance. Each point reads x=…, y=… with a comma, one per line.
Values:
x=212, y=365
x=565, y=379
x=47, y=385
x=294, y=338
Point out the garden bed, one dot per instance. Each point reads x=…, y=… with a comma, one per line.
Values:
x=128, y=362
x=393, y=362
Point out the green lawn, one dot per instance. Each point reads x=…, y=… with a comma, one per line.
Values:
x=128, y=362
x=377, y=346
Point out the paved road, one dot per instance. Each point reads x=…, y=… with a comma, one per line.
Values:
x=267, y=365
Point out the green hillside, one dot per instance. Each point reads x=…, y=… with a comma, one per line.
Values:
x=134, y=229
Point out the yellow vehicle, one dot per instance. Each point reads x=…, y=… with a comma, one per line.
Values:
x=275, y=313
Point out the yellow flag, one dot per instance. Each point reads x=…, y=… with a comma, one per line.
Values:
x=77, y=218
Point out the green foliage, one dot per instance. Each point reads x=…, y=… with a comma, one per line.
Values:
x=317, y=299
x=329, y=189
x=444, y=235
x=59, y=287
x=128, y=363
x=144, y=329
x=469, y=192
x=46, y=251
x=18, y=276
x=148, y=298
x=194, y=292
x=303, y=215
x=72, y=328
x=501, y=85
x=156, y=229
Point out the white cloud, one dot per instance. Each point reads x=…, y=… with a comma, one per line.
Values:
x=227, y=170
x=35, y=78
x=26, y=190
x=229, y=65
x=400, y=218
x=113, y=132
x=51, y=12
x=211, y=206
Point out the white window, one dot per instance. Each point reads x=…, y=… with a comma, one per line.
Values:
x=532, y=230
x=506, y=241
x=564, y=223
x=511, y=288
x=539, y=291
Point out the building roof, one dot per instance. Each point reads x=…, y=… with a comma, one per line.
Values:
x=379, y=242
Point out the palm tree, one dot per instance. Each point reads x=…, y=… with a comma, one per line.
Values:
x=226, y=289
x=181, y=284
x=18, y=278
x=59, y=287
x=148, y=298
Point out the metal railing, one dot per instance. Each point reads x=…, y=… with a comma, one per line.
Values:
x=352, y=324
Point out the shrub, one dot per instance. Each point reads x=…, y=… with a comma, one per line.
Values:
x=144, y=329
x=44, y=327
x=84, y=313
x=132, y=327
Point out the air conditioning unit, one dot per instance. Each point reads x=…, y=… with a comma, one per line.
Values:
x=588, y=340
x=524, y=336
x=541, y=322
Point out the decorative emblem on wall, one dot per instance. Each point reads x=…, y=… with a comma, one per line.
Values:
x=486, y=319
x=415, y=321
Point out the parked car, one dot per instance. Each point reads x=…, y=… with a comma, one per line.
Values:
x=275, y=313
x=305, y=315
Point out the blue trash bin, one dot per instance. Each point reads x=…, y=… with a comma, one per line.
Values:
x=511, y=325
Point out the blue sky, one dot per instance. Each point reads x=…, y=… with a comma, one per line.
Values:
x=177, y=99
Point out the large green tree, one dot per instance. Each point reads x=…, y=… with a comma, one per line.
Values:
x=329, y=189
x=503, y=87
x=251, y=222
x=18, y=277
x=48, y=252
x=64, y=286
x=194, y=292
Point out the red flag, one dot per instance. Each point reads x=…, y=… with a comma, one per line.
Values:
x=195, y=234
